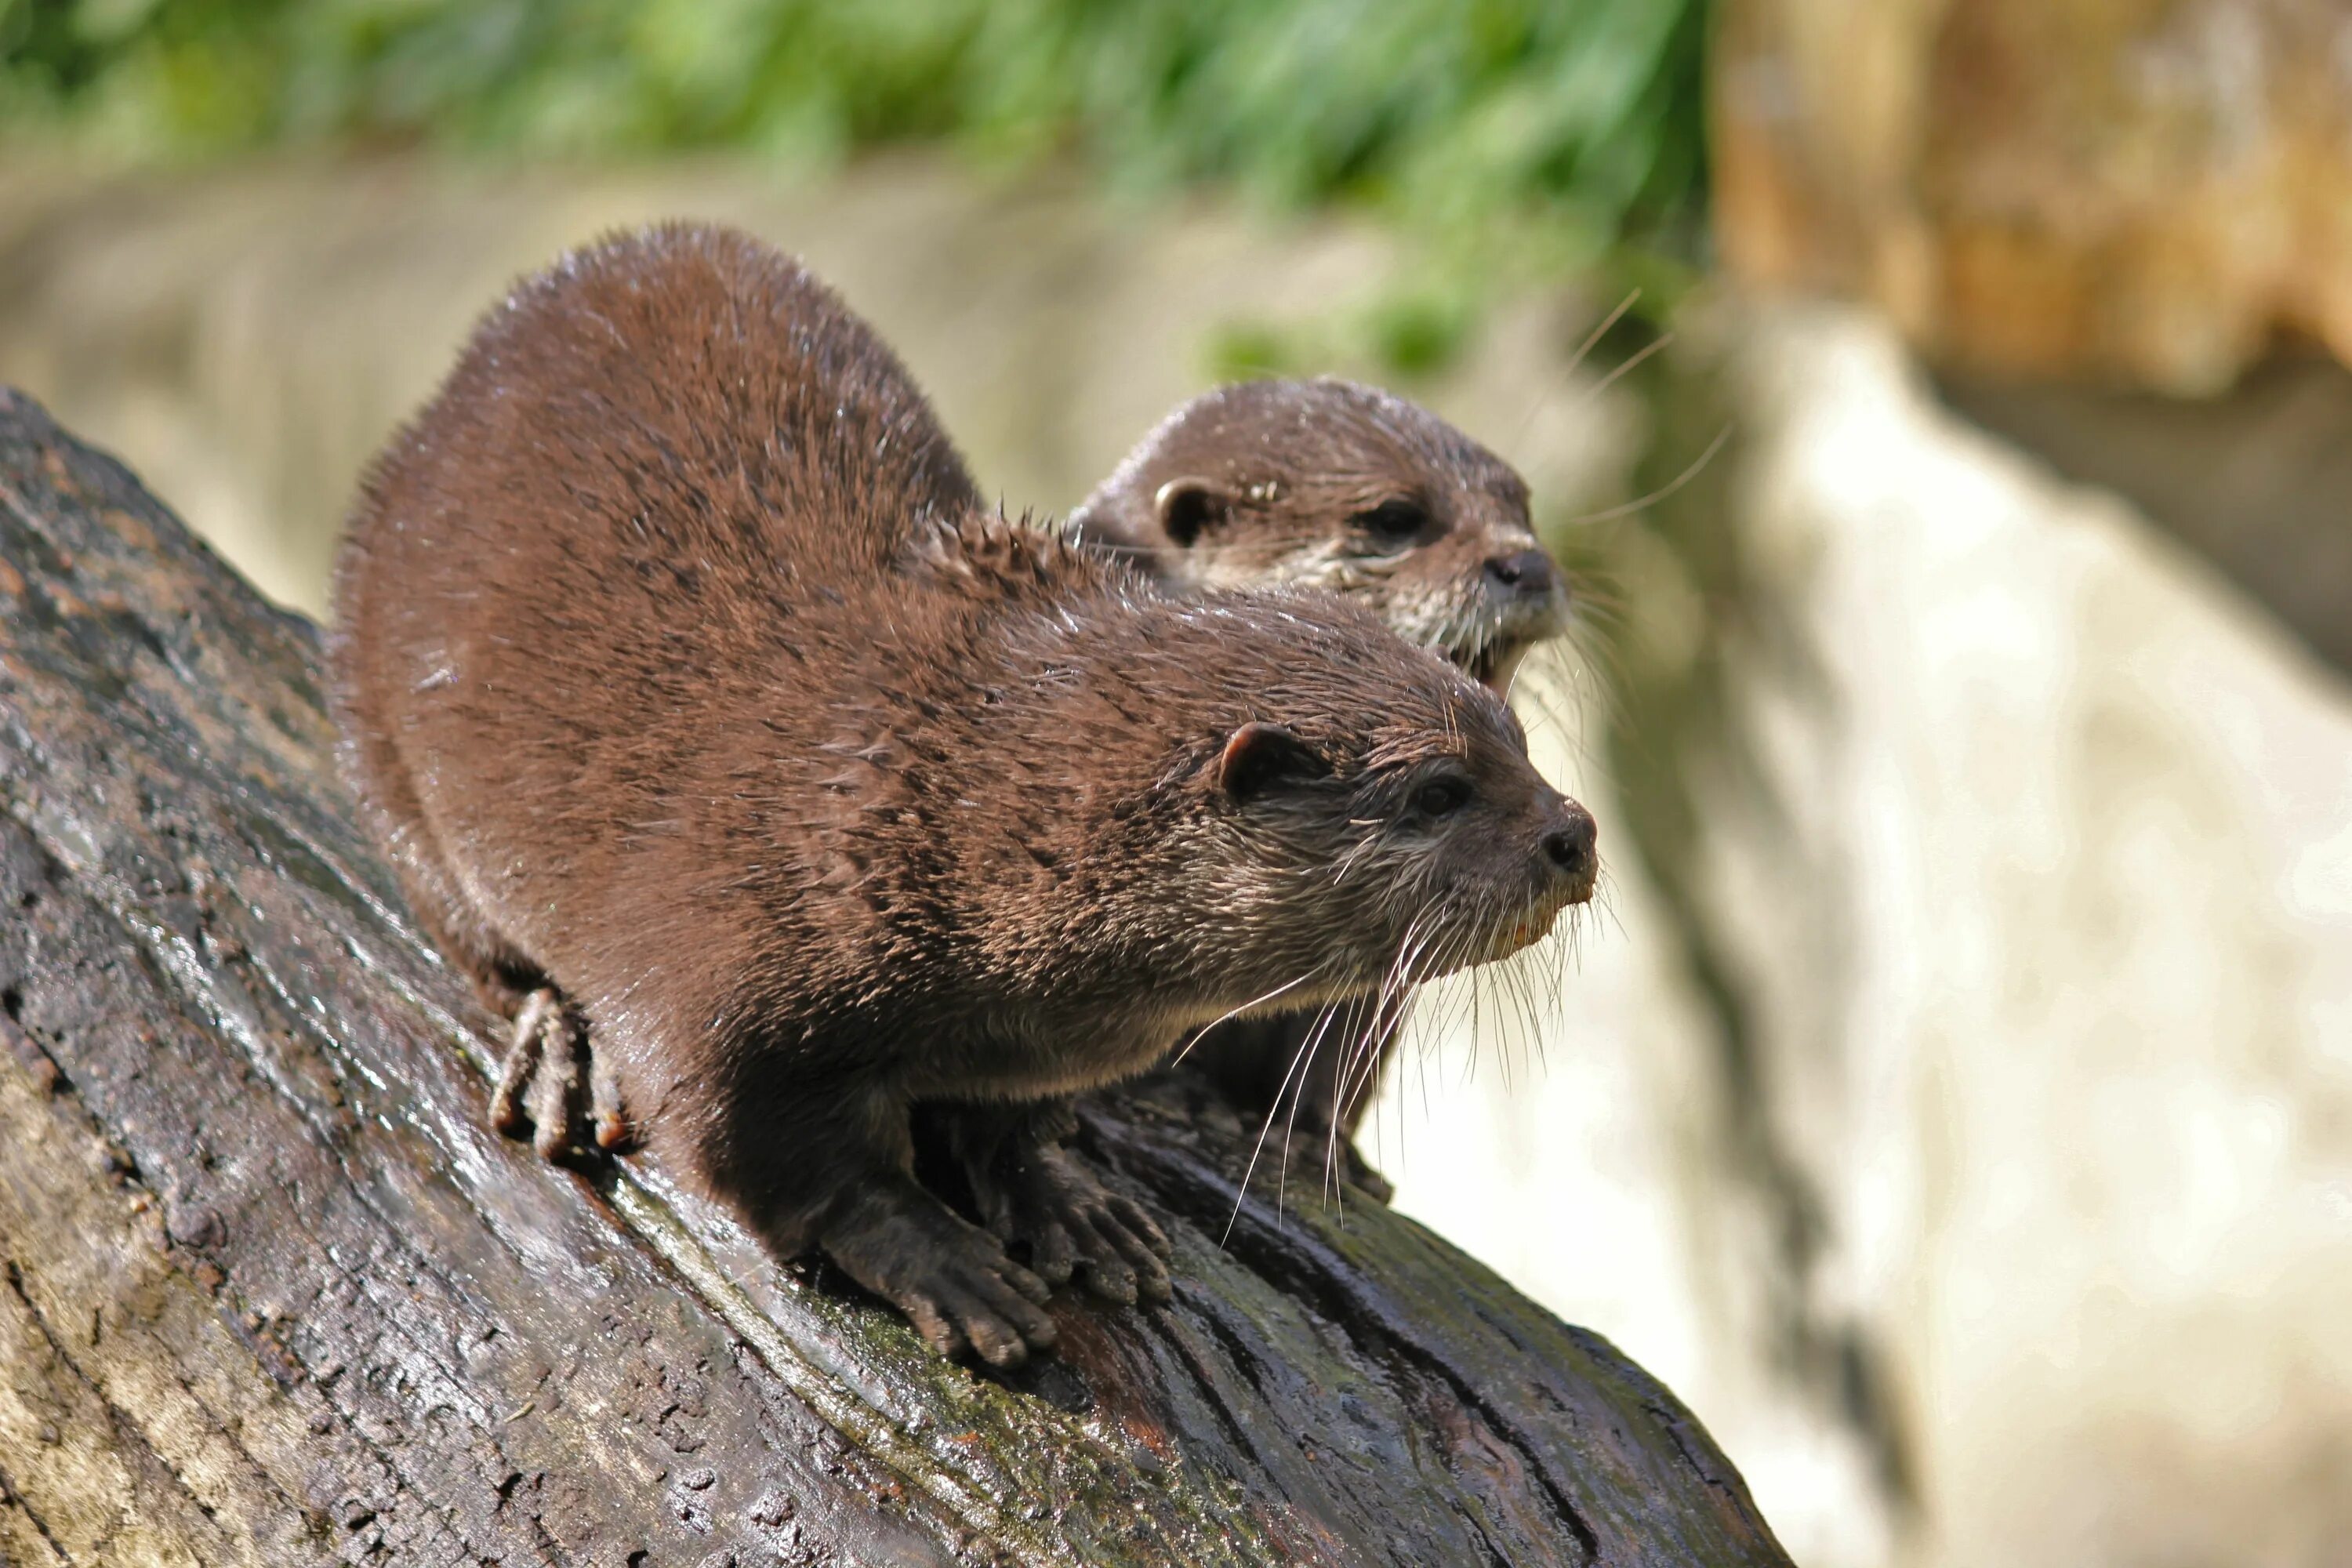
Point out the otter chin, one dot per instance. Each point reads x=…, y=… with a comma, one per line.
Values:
x=1527, y=933
x=1493, y=663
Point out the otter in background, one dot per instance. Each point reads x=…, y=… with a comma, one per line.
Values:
x=1333, y=484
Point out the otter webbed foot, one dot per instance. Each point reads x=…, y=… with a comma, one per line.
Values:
x=1029, y=1189
x=953, y=1281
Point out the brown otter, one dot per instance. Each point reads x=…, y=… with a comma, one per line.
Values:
x=1347, y=488
x=1323, y=482
x=1334, y=485
x=696, y=698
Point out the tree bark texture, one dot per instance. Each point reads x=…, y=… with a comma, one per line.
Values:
x=275, y=1293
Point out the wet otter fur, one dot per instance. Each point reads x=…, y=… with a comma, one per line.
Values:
x=1336, y=485
x=699, y=702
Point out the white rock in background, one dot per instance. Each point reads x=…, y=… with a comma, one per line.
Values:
x=2087, y=818
x=2048, y=929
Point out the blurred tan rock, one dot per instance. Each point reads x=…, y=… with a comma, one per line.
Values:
x=2024, y=843
x=2146, y=192
x=248, y=336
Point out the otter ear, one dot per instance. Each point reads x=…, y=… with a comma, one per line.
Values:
x=1258, y=755
x=1188, y=505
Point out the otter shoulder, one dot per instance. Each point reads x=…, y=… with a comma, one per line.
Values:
x=989, y=556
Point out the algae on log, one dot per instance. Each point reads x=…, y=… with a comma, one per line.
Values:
x=274, y=1293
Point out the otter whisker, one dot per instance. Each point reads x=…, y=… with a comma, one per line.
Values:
x=1399, y=976
x=1552, y=686
x=1597, y=672
x=1455, y=947
x=1185, y=1049
x=1333, y=1134
x=1542, y=695
x=1575, y=362
x=1365, y=1050
x=1426, y=927
x=1627, y=364
x=1662, y=491
x=1606, y=901
x=1593, y=339
x=1359, y=1070
x=1304, y=1055
x=1516, y=977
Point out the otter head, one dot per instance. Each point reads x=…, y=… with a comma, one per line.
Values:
x=1342, y=486
x=1346, y=815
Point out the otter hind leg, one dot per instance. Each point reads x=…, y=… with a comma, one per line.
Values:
x=832, y=1168
x=541, y=1073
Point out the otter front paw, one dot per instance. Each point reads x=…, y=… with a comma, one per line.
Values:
x=540, y=1081
x=952, y=1280
x=1038, y=1192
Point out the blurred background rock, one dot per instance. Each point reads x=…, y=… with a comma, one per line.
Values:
x=1954, y=1101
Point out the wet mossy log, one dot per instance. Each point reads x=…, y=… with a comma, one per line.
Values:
x=275, y=1294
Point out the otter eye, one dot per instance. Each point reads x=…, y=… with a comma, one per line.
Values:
x=1443, y=797
x=1393, y=521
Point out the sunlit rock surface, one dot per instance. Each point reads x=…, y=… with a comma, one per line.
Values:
x=2079, y=1086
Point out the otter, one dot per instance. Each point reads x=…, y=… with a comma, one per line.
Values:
x=1331, y=484
x=700, y=703
x=1324, y=483
x=1347, y=488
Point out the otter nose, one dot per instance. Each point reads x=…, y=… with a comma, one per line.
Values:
x=1570, y=846
x=1523, y=572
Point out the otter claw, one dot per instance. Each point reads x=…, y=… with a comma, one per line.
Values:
x=953, y=1281
x=614, y=1134
x=1039, y=1193
x=517, y=1071
x=540, y=1078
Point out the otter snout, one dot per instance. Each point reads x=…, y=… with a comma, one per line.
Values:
x=1526, y=592
x=1522, y=572
x=1524, y=600
x=1570, y=850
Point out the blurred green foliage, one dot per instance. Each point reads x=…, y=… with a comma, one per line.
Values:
x=1509, y=137
x=1582, y=111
